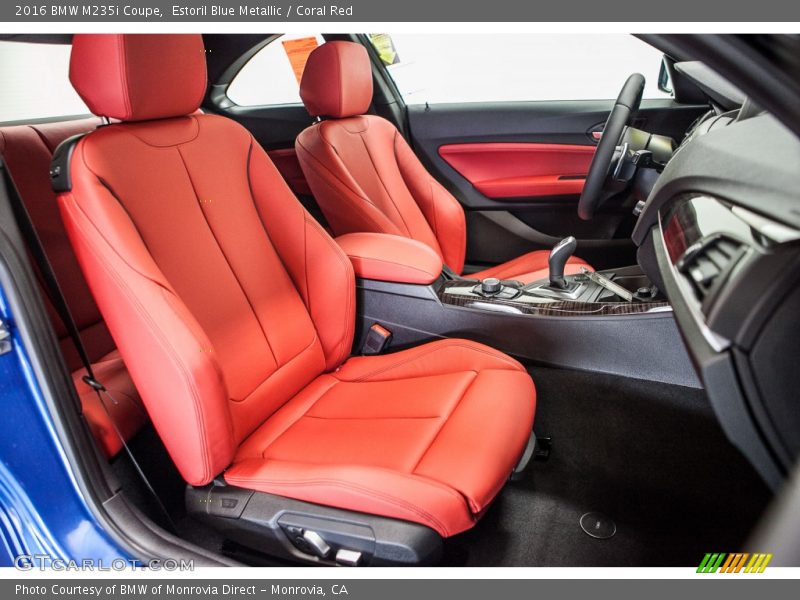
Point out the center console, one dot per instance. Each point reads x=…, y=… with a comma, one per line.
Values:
x=619, y=292
x=613, y=321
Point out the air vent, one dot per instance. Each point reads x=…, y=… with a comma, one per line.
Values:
x=708, y=263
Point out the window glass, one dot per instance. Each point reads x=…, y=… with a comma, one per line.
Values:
x=515, y=67
x=35, y=82
x=272, y=76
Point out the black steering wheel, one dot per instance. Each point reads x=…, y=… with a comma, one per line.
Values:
x=625, y=109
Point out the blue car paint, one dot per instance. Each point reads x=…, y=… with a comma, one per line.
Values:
x=42, y=510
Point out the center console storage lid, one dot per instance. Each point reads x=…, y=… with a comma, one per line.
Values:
x=394, y=258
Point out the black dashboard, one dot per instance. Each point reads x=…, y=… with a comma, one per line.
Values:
x=720, y=235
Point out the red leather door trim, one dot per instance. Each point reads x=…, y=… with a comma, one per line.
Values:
x=521, y=170
x=285, y=159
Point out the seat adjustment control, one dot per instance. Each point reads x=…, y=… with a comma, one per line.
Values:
x=348, y=558
x=316, y=543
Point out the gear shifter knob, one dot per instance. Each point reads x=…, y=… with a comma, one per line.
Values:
x=559, y=256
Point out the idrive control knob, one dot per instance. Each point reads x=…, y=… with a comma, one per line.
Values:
x=490, y=286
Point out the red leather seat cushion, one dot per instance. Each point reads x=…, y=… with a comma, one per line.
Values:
x=529, y=267
x=428, y=434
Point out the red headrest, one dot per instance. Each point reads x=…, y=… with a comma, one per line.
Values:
x=337, y=81
x=139, y=77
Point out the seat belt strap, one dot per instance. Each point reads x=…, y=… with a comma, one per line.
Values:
x=56, y=296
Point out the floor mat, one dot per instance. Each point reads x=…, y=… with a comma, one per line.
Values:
x=650, y=456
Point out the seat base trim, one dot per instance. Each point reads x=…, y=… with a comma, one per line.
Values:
x=276, y=526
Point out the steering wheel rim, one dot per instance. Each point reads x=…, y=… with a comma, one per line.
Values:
x=625, y=109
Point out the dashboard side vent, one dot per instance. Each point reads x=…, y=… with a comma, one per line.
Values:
x=708, y=263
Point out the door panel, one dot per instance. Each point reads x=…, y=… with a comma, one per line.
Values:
x=569, y=123
x=526, y=158
x=510, y=171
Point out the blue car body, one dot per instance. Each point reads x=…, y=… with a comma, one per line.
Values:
x=42, y=510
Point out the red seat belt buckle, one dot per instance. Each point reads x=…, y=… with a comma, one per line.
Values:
x=378, y=339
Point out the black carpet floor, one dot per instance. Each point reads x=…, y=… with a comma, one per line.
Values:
x=650, y=456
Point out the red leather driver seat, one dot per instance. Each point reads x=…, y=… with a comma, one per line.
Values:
x=365, y=177
x=234, y=311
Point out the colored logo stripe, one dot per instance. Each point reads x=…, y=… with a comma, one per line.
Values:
x=734, y=563
x=758, y=563
x=711, y=563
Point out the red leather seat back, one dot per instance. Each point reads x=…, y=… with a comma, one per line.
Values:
x=364, y=175
x=224, y=296
x=27, y=151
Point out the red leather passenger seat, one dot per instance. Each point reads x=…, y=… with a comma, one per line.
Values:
x=27, y=151
x=366, y=178
x=234, y=311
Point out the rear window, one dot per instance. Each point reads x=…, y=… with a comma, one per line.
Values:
x=34, y=82
x=272, y=76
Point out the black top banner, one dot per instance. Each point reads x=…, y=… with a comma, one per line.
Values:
x=392, y=11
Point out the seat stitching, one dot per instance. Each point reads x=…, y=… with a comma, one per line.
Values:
x=111, y=246
x=444, y=422
x=122, y=57
x=294, y=422
x=383, y=184
x=434, y=349
x=362, y=196
x=435, y=226
x=286, y=364
x=271, y=243
x=176, y=144
x=307, y=416
x=227, y=261
x=305, y=266
x=344, y=261
x=339, y=79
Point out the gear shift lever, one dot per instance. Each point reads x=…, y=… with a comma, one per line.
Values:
x=559, y=256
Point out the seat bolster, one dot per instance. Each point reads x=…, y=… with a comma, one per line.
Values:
x=434, y=358
x=442, y=211
x=319, y=268
x=169, y=357
x=528, y=268
x=361, y=489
